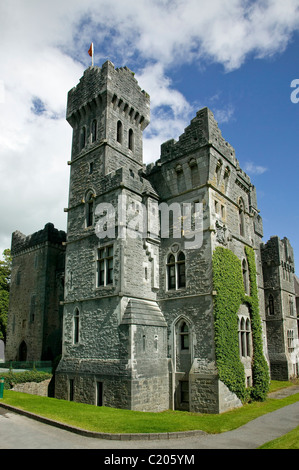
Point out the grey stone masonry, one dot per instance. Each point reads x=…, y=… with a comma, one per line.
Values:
x=34, y=328
x=138, y=301
x=106, y=290
x=281, y=312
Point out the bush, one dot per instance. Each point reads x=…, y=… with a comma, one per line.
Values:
x=12, y=378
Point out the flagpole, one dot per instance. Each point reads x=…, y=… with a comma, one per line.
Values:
x=91, y=53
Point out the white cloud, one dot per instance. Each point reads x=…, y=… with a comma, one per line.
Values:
x=224, y=114
x=170, y=111
x=253, y=169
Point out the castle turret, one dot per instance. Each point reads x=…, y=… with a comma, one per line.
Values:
x=280, y=306
x=114, y=330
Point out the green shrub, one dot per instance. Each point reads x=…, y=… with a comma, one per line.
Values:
x=13, y=378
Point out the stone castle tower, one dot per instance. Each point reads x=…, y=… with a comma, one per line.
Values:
x=281, y=312
x=138, y=310
x=34, y=328
x=111, y=317
x=139, y=294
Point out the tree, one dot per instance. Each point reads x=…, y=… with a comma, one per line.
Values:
x=5, y=272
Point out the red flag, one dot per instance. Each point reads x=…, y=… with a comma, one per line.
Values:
x=90, y=51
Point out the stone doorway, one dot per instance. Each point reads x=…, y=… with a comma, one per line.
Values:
x=22, y=351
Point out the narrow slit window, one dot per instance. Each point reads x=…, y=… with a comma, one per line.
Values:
x=241, y=218
x=94, y=131
x=119, y=132
x=83, y=138
x=89, y=210
x=271, y=305
x=76, y=326
x=131, y=139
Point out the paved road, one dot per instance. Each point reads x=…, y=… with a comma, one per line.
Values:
x=21, y=432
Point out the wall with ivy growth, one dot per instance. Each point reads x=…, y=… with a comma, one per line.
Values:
x=260, y=369
x=228, y=283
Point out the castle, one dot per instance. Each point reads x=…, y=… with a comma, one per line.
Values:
x=137, y=267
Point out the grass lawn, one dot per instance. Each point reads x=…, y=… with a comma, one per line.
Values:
x=288, y=441
x=111, y=420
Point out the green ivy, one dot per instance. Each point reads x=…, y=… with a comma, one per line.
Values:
x=228, y=283
x=229, y=286
x=260, y=369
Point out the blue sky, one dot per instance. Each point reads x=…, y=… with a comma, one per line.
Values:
x=236, y=57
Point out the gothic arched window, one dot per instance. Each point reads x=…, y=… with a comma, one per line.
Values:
x=176, y=271
x=245, y=337
x=171, y=277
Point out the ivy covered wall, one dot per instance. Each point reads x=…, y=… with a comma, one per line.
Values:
x=229, y=286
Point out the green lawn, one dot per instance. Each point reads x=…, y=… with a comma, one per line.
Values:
x=288, y=441
x=111, y=420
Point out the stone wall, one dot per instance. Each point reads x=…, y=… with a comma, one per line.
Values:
x=33, y=388
x=35, y=316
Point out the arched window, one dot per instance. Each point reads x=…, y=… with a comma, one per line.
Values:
x=184, y=336
x=241, y=218
x=131, y=140
x=89, y=210
x=94, y=131
x=119, y=133
x=181, y=270
x=76, y=326
x=171, y=277
x=243, y=338
x=83, y=138
x=271, y=305
x=176, y=272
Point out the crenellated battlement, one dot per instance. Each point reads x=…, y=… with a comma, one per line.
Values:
x=49, y=233
x=118, y=86
x=202, y=131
